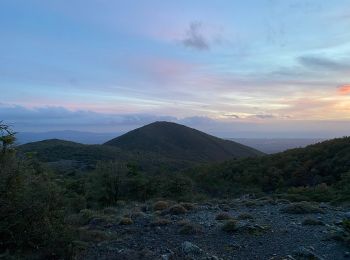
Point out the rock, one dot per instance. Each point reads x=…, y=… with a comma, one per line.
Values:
x=307, y=253
x=168, y=256
x=189, y=248
x=347, y=215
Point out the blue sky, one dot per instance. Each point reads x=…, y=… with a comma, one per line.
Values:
x=264, y=67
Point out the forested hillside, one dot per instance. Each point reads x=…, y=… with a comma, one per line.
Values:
x=318, y=166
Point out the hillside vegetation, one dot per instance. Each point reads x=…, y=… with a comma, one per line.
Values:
x=52, y=212
x=321, y=171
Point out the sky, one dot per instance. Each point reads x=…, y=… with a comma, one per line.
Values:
x=243, y=68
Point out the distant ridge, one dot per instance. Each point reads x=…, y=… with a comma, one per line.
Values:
x=182, y=142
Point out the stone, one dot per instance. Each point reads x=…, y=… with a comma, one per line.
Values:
x=347, y=215
x=307, y=253
x=189, y=248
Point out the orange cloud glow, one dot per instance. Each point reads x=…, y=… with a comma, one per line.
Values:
x=344, y=90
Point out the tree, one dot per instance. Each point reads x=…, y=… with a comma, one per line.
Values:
x=105, y=185
x=7, y=136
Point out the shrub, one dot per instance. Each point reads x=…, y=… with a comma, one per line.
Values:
x=223, y=216
x=177, y=210
x=224, y=207
x=126, y=221
x=320, y=193
x=190, y=229
x=244, y=216
x=160, y=222
x=187, y=205
x=31, y=201
x=137, y=214
x=160, y=205
x=312, y=222
x=346, y=225
x=93, y=235
x=110, y=211
x=250, y=203
x=283, y=201
x=230, y=226
x=301, y=208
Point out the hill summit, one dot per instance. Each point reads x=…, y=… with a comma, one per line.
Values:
x=181, y=142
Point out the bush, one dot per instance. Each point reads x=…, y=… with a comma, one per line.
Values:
x=32, y=210
x=93, y=235
x=301, y=208
x=177, y=210
x=320, y=193
x=160, y=205
x=110, y=211
x=245, y=216
x=190, y=229
x=230, y=226
x=160, y=222
x=187, y=205
x=312, y=222
x=223, y=216
x=126, y=221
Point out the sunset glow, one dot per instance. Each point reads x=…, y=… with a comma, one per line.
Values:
x=258, y=63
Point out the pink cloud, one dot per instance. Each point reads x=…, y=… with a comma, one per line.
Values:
x=162, y=70
x=344, y=90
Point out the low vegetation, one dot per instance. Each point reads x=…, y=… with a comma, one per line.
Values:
x=301, y=208
x=223, y=216
x=312, y=222
x=190, y=228
x=46, y=212
x=230, y=226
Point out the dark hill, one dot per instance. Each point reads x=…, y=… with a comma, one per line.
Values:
x=181, y=142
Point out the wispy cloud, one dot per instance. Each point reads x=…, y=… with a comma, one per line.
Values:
x=195, y=37
x=324, y=63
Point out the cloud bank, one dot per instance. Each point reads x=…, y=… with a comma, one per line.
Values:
x=44, y=119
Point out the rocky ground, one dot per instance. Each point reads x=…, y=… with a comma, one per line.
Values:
x=237, y=229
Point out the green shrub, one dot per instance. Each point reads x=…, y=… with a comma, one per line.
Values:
x=223, y=216
x=187, y=205
x=319, y=193
x=126, y=221
x=190, y=229
x=244, y=216
x=230, y=226
x=89, y=235
x=32, y=210
x=177, y=209
x=301, y=208
x=312, y=222
x=160, y=205
x=160, y=222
